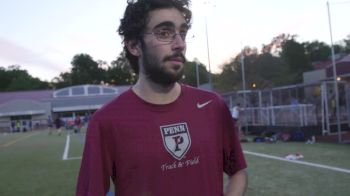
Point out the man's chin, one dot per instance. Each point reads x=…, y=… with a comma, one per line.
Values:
x=174, y=65
x=167, y=79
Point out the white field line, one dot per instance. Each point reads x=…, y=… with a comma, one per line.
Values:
x=18, y=139
x=66, y=148
x=298, y=162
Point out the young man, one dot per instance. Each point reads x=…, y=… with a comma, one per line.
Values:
x=77, y=124
x=161, y=137
x=235, y=112
x=235, y=115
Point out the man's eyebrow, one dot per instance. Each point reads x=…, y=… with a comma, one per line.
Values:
x=170, y=24
x=165, y=24
x=185, y=26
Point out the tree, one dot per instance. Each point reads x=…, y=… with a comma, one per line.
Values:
x=15, y=79
x=294, y=55
x=317, y=51
x=120, y=72
x=5, y=79
x=228, y=79
x=275, y=47
x=264, y=70
x=231, y=77
x=190, y=73
x=85, y=70
x=347, y=44
x=64, y=80
x=272, y=70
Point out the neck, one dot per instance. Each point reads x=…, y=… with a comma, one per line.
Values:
x=156, y=93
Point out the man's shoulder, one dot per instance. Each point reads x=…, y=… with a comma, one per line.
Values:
x=116, y=104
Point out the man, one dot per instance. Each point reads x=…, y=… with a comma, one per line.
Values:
x=58, y=124
x=235, y=115
x=235, y=111
x=161, y=137
x=77, y=124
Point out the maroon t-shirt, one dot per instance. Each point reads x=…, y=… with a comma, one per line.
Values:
x=181, y=148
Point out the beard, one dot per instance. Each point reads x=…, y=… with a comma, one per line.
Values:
x=158, y=73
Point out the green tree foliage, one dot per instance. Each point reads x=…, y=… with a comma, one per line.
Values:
x=273, y=71
x=281, y=62
x=294, y=54
x=264, y=70
x=16, y=79
x=190, y=73
x=120, y=72
x=347, y=44
x=5, y=79
x=228, y=79
x=317, y=51
x=85, y=70
x=64, y=80
x=275, y=47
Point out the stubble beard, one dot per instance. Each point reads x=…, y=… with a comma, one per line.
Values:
x=156, y=71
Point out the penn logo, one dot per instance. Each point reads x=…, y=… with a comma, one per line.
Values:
x=176, y=139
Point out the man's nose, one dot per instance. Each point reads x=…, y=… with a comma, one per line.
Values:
x=178, y=42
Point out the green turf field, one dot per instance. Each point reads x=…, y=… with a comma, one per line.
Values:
x=32, y=164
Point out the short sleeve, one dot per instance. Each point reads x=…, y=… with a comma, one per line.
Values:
x=96, y=165
x=233, y=155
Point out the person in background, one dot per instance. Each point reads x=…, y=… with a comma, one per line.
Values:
x=235, y=111
x=77, y=124
x=13, y=126
x=58, y=125
x=18, y=126
x=235, y=115
x=50, y=124
x=161, y=137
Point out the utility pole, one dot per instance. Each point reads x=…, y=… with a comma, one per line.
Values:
x=210, y=79
x=334, y=77
x=244, y=93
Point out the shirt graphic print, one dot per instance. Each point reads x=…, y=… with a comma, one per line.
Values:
x=176, y=139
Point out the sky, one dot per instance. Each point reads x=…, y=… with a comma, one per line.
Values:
x=43, y=36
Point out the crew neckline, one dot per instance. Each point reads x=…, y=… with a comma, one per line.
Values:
x=161, y=107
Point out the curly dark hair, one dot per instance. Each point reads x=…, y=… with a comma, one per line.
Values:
x=135, y=19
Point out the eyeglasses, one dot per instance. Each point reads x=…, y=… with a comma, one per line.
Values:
x=166, y=35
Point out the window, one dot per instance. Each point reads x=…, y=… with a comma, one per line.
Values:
x=93, y=90
x=108, y=90
x=62, y=93
x=77, y=91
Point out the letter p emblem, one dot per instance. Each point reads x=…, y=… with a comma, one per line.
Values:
x=178, y=140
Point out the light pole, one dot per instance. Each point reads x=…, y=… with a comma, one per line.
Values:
x=197, y=73
x=207, y=4
x=335, y=82
x=243, y=72
x=206, y=31
x=244, y=92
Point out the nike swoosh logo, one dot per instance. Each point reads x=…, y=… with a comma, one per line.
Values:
x=202, y=105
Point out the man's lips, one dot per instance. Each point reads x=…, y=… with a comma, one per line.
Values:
x=176, y=58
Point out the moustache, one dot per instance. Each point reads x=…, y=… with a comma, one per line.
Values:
x=176, y=55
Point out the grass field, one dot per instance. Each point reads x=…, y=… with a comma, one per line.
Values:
x=32, y=164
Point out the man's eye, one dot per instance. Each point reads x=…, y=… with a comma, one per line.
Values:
x=183, y=34
x=164, y=33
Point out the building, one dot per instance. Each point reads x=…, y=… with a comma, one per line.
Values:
x=27, y=110
x=324, y=70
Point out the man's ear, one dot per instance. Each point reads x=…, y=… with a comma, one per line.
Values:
x=134, y=47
